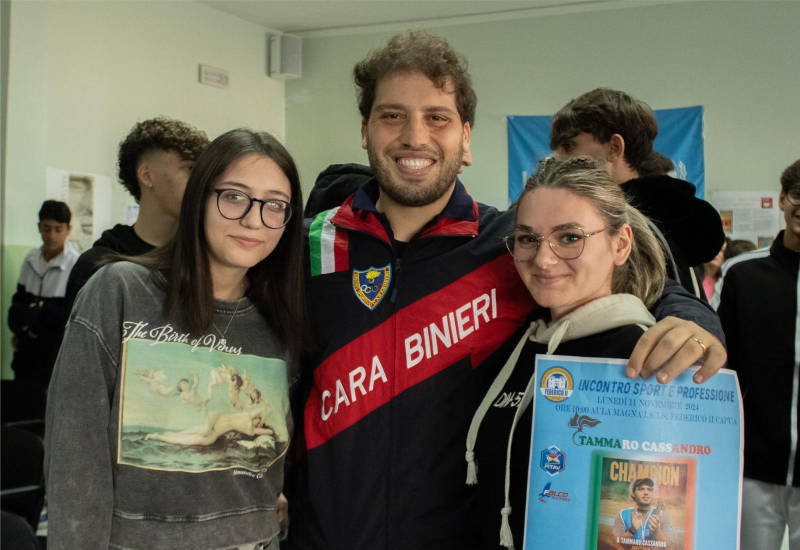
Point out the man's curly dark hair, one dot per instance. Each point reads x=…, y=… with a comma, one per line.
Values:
x=790, y=176
x=416, y=51
x=160, y=133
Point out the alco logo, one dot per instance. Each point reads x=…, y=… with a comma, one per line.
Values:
x=548, y=493
x=553, y=460
x=556, y=384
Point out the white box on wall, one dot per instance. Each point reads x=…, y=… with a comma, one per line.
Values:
x=213, y=76
x=285, y=56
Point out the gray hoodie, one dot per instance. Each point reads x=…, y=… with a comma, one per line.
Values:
x=157, y=439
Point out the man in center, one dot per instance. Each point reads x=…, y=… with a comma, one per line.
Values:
x=413, y=298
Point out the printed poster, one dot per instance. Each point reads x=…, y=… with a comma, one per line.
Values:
x=193, y=407
x=89, y=199
x=751, y=215
x=633, y=463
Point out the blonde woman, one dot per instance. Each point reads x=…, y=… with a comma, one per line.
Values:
x=589, y=260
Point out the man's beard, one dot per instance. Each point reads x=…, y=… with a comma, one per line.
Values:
x=415, y=194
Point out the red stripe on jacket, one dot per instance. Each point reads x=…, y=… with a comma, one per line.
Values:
x=481, y=310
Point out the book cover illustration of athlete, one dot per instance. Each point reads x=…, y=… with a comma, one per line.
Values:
x=642, y=503
x=200, y=410
x=632, y=463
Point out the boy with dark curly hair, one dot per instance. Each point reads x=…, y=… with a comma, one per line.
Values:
x=155, y=161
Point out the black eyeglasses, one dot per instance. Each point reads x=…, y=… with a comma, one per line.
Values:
x=234, y=205
x=567, y=243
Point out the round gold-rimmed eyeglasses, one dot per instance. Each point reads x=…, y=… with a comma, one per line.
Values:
x=566, y=243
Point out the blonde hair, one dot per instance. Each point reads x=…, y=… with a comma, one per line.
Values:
x=644, y=271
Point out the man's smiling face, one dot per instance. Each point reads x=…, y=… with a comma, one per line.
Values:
x=415, y=138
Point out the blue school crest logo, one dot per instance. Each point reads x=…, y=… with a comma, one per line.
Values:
x=556, y=384
x=553, y=460
x=370, y=285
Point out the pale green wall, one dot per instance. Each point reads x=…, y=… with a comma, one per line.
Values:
x=81, y=74
x=741, y=61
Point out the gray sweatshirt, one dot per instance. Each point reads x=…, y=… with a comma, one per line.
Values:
x=157, y=439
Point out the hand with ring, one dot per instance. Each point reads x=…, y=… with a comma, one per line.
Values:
x=671, y=346
x=700, y=343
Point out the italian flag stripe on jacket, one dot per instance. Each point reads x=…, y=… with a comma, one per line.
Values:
x=327, y=245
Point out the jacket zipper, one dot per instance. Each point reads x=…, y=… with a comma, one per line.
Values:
x=398, y=262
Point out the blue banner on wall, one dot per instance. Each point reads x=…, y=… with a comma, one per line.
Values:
x=680, y=137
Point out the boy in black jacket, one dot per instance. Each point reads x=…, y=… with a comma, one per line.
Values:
x=759, y=313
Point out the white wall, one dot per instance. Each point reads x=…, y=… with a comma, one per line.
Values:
x=83, y=73
x=740, y=60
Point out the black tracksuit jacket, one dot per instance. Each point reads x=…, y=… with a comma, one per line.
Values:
x=761, y=319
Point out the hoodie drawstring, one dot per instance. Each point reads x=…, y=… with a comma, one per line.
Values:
x=506, y=538
x=488, y=399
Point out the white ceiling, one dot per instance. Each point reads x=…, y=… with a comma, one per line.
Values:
x=303, y=16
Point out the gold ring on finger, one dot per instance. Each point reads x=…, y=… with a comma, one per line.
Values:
x=699, y=342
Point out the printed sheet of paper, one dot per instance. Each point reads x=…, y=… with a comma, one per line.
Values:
x=751, y=215
x=89, y=200
x=632, y=463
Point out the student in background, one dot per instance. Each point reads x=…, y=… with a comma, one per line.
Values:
x=760, y=313
x=38, y=309
x=713, y=269
x=618, y=130
x=738, y=246
x=155, y=160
